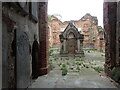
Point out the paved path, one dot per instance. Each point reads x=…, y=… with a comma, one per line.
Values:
x=85, y=78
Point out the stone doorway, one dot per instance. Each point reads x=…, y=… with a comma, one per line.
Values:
x=71, y=45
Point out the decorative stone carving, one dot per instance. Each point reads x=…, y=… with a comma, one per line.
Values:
x=71, y=41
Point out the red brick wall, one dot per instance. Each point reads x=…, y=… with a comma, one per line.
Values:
x=85, y=25
x=55, y=26
x=110, y=35
x=43, y=67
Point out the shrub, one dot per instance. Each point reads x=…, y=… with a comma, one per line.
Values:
x=63, y=65
x=64, y=71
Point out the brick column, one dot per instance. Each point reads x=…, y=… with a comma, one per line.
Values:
x=43, y=67
x=118, y=36
x=110, y=34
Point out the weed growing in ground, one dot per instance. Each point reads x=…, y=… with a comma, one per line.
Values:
x=51, y=66
x=102, y=54
x=78, y=69
x=71, y=68
x=60, y=64
x=86, y=66
x=63, y=65
x=56, y=58
x=64, y=71
x=50, y=52
x=78, y=63
x=68, y=63
x=98, y=68
x=67, y=58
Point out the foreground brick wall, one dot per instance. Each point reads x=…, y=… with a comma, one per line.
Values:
x=43, y=67
x=110, y=18
x=19, y=29
x=110, y=34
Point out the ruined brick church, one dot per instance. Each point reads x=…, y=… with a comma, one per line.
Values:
x=25, y=41
x=87, y=25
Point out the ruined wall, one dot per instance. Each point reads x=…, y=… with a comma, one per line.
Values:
x=111, y=56
x=55, y=27
x=50, y=36
x=43, y=66
x=19, y=33
x=100, y=42
x=87, y=25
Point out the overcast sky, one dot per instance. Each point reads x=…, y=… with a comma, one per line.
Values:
x=75, y=9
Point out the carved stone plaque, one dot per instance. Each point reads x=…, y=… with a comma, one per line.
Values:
x=23, y=59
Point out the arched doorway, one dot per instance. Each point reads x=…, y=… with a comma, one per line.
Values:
x=34, y=59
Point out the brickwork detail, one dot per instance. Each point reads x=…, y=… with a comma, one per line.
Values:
x=43, y=39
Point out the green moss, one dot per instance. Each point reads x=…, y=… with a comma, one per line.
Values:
x=116, y=74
